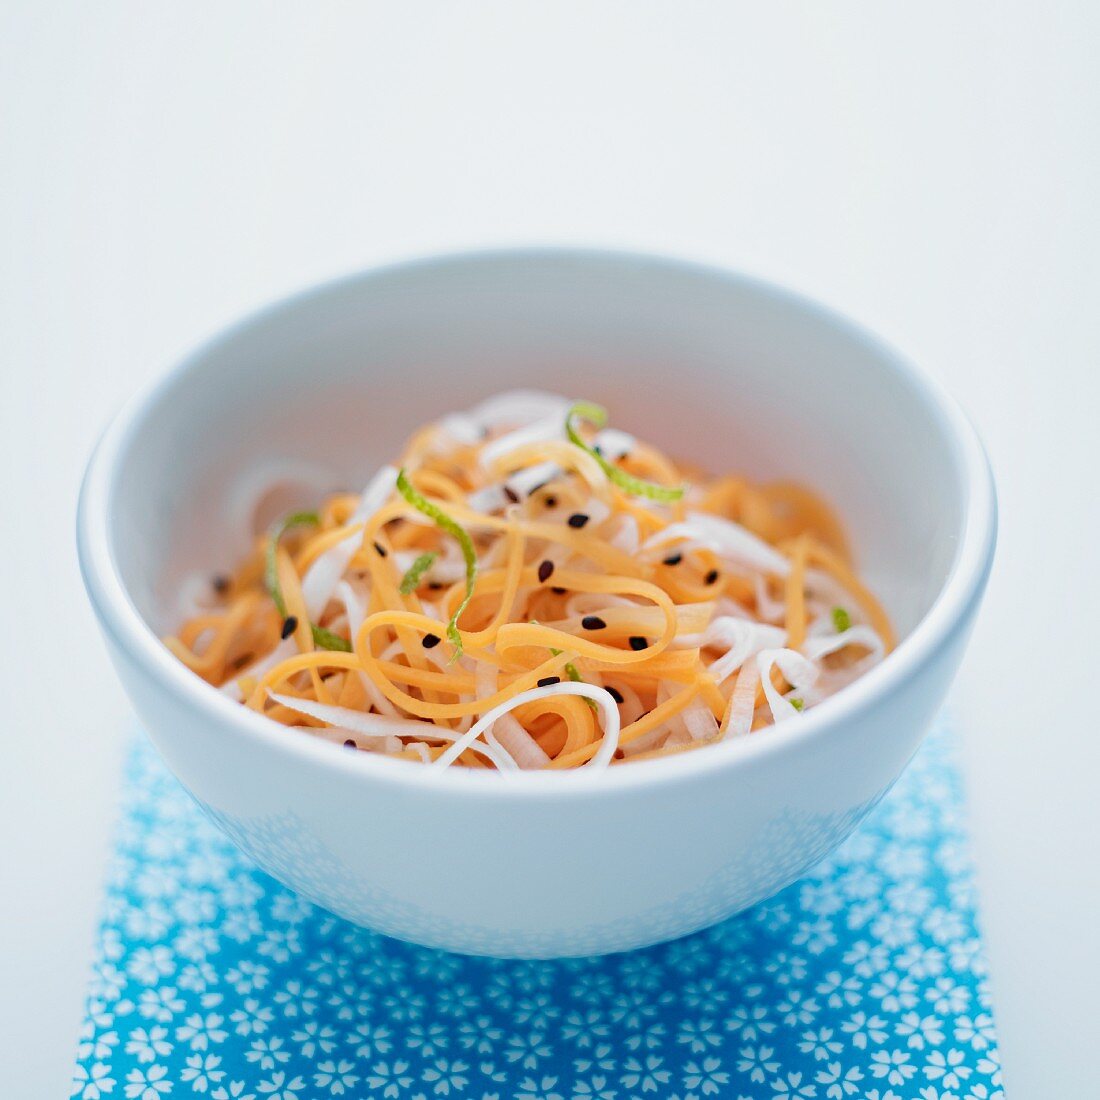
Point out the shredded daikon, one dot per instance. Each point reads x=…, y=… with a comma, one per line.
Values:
x=799, y=673
x=321, y=578
x=541, y=431
x=742, y=703
x=727, y=539
x=740, y=639
x=377, y=725
x=505, y=731
x=599, y=696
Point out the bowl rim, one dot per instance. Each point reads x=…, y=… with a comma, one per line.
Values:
x=961, y=590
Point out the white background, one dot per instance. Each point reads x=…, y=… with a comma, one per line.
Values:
x=932, y=169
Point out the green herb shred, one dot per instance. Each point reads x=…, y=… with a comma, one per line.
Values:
x=596, y=415
x=411, y=580
x=841, y=620
x=450, y=527
x=323, y=639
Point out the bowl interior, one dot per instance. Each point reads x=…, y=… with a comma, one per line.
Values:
x=719, y=370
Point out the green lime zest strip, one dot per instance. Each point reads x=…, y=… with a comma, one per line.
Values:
x=469, y=555
x=596, y=415
x=570, y=668
x=575, y=676
x=572, y=673
x=841, y=620
x=323, y=639
x=271, y=566
x=411, y=579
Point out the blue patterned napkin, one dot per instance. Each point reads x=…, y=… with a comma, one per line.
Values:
x=865, y=980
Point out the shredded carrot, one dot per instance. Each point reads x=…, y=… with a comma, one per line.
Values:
x=796, y=593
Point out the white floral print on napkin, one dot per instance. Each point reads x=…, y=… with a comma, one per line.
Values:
x=863, y=981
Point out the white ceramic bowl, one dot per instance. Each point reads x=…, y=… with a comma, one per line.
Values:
x=714, y=367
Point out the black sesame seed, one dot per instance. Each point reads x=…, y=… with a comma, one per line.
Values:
x=550, y=501
x=435, y=586
x=615, y=694
x=598, y=449
x=381, y=549
x=221, y=584
x=546, y=681
x=578, y=519
x=593, y=622
x=711, y=577
x=674, y=559
x=350, y=744
x=545, y=569
x=638, y=643
x=430, y=641
x=558, y=591
x=511, y=495
x=290, y=624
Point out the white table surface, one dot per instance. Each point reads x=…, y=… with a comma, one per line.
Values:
x=931, y=169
